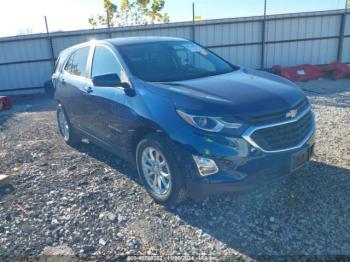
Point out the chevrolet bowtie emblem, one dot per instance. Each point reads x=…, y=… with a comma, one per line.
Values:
x=292, y=113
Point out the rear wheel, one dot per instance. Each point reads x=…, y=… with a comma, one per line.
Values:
x=67, y=131
x=159, y=171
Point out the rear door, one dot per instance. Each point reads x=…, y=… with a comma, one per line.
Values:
x=73, y=84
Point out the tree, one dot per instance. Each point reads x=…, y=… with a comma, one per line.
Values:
x=154, y=13
x=106, y=19
x=130, y=12
x=92, y=22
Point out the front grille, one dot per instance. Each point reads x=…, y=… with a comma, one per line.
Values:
x=283, y=136
x=276, y=117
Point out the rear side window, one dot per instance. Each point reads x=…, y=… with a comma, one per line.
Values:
x=68, y=65
x=76, y=64
x=105, y=63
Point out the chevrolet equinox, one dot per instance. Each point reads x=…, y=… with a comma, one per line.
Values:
x=192, y=123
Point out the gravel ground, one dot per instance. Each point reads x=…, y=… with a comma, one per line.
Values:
x=86, y=201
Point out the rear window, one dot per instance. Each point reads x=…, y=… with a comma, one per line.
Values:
x=76, y=64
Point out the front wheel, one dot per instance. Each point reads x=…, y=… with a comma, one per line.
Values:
x=159, y=171
x=67, y=131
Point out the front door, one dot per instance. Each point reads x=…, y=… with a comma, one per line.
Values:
x=105, y=102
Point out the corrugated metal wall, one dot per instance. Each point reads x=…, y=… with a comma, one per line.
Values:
x=291, y=39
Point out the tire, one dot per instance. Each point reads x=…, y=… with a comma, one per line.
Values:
x=67, y=131
x=176, y=191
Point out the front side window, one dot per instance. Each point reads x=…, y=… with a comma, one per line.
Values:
x=105, y=63
x=172, y=61
x=76, y=64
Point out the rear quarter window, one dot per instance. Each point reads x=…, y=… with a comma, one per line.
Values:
x=62, y=58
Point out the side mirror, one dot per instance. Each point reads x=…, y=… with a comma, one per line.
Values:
x=109, y=80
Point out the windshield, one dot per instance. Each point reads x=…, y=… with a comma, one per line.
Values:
x=172, y=61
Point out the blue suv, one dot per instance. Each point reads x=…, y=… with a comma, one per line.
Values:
x=190, y=121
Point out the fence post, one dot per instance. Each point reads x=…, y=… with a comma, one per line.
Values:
x=108, y=25
x=341, y=33
x=193, y=24
x=49, y=39
x=263, y=28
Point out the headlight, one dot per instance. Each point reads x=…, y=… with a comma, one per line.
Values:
x=211, y=124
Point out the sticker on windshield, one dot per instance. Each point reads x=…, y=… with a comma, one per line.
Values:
x=195, y=49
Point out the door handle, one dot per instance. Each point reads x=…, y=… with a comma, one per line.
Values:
x=88, y=89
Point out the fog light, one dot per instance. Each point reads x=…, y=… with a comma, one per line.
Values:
x=206, y=166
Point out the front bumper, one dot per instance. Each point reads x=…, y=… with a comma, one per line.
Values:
x=253, y=173
x=241, y=165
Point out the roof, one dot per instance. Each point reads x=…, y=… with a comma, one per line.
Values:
x=120, y=41
x=141, y=39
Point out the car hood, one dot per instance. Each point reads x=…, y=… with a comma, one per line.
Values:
x=245, y=92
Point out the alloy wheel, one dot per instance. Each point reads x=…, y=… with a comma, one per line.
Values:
x=156, y=170
x=63, y=124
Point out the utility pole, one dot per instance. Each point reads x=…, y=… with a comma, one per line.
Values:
x=263, y=29
x=193, y=21
x=341, y=32
x=49, y=39
x=108, y=24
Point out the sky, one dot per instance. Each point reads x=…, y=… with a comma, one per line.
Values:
x=27, y=16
